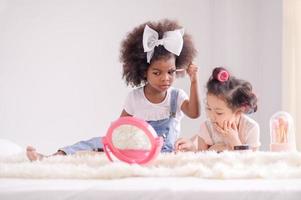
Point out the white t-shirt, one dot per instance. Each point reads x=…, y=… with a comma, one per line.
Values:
x=248, y=132
x=138, y=105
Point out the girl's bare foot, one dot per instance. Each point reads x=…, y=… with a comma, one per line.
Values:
x=32, y=154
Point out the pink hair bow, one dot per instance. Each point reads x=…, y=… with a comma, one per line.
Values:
x=222, y=76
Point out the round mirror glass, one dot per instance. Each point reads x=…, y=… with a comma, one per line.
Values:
x=131, y=141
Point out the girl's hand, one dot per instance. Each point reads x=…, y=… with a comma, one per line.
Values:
x=192, y=72
x=183, y=144
x=229, y=132
x=191, y=107
x=219, y=147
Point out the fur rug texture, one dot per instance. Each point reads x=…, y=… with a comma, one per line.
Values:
x=210, y=165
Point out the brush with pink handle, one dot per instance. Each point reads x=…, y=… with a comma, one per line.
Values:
x=280, y=130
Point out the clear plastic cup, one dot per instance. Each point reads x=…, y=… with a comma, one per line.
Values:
x=282, y=132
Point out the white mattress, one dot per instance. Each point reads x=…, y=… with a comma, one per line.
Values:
x=151, y=188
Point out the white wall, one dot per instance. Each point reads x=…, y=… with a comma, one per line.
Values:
x=60, y=75
x=247, y=36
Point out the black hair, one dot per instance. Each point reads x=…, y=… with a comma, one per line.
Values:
x=134, y=59
x=236, y=92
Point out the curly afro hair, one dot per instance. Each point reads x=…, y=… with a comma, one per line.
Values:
x=133, y=56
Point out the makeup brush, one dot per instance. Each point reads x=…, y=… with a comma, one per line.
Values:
x=180, y=70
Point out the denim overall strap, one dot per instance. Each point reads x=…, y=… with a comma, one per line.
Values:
x=173, y=103
x=165, y=128
x=172, y=135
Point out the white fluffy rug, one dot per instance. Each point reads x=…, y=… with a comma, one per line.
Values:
x=225, y=165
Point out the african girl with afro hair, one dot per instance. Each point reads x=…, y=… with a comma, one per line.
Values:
x=152, y=54
x=133, y=56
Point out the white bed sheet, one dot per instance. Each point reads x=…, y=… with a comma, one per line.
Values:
x=151, y=188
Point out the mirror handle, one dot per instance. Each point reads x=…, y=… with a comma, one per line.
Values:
x=105, y=148
x=156, y=148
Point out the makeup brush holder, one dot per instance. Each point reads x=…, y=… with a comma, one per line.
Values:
x=282, y=132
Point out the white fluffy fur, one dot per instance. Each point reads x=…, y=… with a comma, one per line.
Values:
x=8, y=148
x=203, y=165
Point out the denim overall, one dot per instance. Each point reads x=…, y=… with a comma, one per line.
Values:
x=164, y=128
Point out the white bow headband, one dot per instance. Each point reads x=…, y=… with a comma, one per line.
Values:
x=171, y=40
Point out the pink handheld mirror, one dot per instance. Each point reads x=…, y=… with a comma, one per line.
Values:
x=132, y=140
